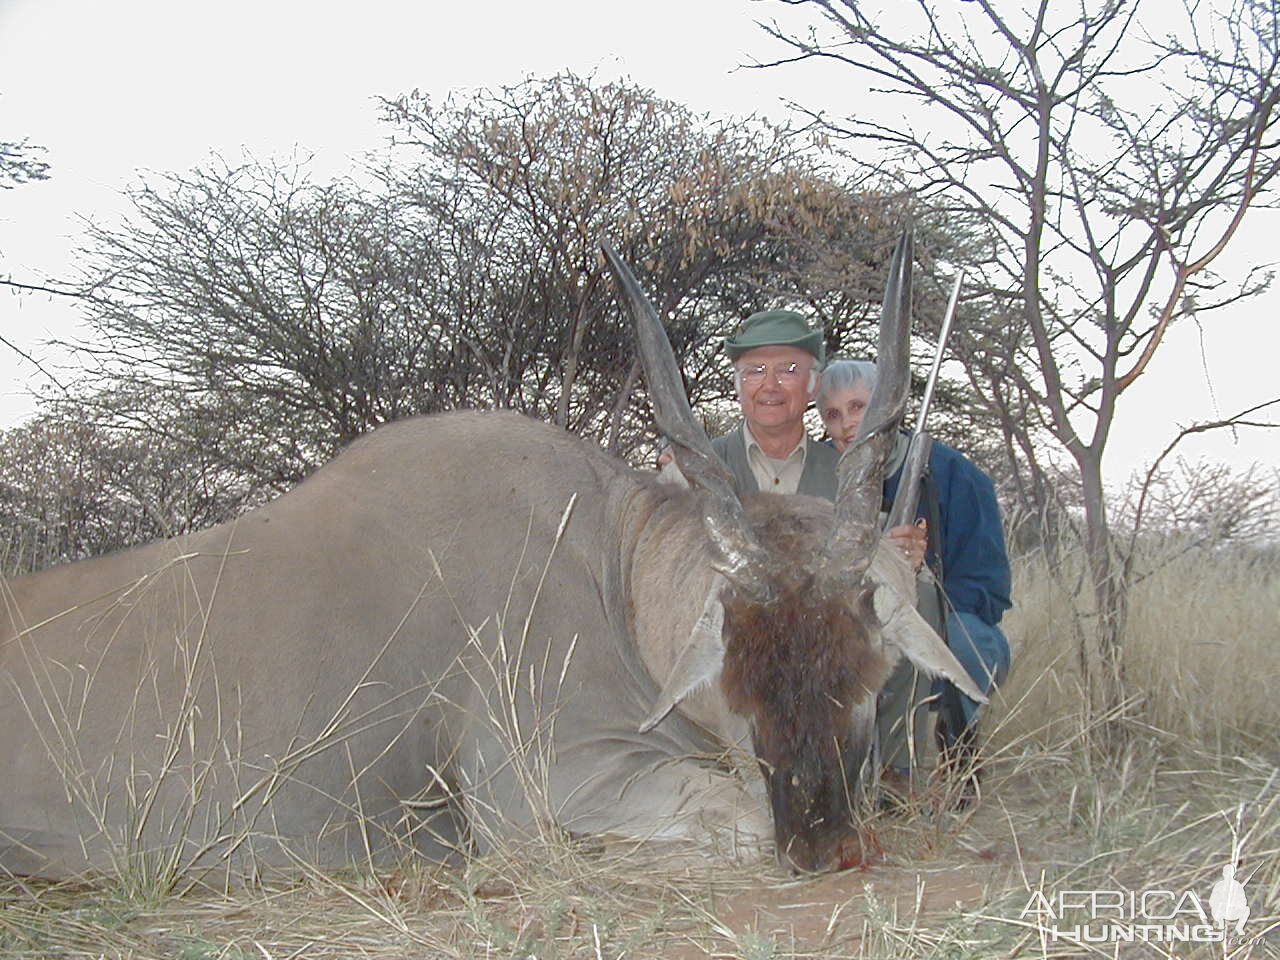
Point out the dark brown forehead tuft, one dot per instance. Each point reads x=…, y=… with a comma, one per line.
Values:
x=798, y=666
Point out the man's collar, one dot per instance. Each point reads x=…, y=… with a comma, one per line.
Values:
x=750, y=441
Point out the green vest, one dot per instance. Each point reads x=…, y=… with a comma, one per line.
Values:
x=818, y=479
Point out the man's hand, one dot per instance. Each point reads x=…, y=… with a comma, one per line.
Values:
x=911, y=539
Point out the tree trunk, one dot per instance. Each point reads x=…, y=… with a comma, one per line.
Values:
x=1108, y=590
x=581, y=317
x=620, y=407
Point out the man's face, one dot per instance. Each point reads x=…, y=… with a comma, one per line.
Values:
x=842, y=410
x=775, y=386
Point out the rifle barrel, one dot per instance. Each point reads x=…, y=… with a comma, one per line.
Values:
x=907, y=500
x=943, y=334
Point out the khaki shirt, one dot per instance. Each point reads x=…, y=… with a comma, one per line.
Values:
x=775, y=476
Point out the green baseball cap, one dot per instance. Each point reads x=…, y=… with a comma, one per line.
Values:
x=775, y=328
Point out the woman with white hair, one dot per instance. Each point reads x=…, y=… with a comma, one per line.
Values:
x=966, y=553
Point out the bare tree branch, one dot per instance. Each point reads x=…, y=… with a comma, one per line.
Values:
x=1105, y=152
x=39, y=288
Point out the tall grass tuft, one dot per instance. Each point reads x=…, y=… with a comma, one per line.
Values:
x=1202, y=644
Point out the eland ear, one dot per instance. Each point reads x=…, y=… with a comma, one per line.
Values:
x=902, y=626
x=698, y=664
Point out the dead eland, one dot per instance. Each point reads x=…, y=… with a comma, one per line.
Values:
x=471, y=620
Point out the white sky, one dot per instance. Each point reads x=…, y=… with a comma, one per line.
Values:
x=112, y=88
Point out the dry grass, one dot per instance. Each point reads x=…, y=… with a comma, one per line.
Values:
x=1202, y=654
x=1067, y=804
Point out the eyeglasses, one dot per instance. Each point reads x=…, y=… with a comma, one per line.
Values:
x=754, y=374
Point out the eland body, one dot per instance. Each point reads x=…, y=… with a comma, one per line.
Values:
x=470, y=618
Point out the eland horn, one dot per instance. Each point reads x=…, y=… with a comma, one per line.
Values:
x=740, y=557
x=860, y=472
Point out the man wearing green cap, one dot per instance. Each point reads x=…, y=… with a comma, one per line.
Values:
x=776, y=358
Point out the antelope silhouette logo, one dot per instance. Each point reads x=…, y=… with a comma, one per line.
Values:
x=1227, y=901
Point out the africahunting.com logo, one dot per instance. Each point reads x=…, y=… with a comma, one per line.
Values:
x=1141, y=916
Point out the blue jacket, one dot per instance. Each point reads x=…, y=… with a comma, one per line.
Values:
x=975, y=564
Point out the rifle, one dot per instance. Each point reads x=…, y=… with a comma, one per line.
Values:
x=907, y=500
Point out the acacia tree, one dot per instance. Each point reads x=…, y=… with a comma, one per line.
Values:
x=278, y=303
x=465, y=270
x=1107, y=152
x=250, y=320
x=721, y=218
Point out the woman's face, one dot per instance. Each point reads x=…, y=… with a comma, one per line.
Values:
x=841, y=411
